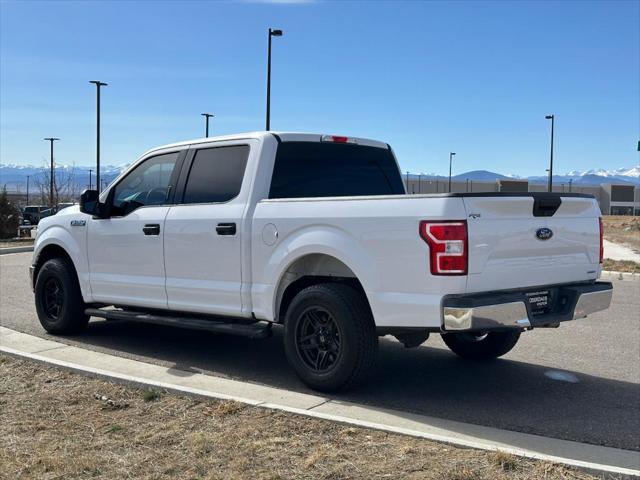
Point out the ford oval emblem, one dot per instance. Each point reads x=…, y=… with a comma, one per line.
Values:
x=544, y=233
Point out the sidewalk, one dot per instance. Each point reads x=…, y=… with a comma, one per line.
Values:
x=615, y=251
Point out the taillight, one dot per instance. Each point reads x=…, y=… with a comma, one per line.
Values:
x=448, y=246
x=601, y=241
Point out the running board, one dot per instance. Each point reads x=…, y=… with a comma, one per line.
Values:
x=254, y=330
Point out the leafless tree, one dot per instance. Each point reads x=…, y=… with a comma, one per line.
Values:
x=65, y=188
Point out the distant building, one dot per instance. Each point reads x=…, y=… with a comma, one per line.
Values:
x=619, y=199
x=614, y=199
x=513, y=185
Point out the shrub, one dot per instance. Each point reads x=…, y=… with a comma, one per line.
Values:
x=9, y=216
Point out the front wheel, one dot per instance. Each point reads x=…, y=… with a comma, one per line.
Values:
x=330, y=337
x=481, y=346
x=58, y=299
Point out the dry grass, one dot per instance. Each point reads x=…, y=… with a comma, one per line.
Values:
x=622, y=229
x=55, y=424
x=22, y=242
x=621, y=266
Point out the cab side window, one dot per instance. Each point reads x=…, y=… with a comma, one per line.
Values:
x=216, y=174
x=147, y=184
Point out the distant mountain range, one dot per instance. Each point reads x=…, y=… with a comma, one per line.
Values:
x=590, y=177
x=15, y=176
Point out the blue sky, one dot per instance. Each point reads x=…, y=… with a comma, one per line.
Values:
x=476, y=78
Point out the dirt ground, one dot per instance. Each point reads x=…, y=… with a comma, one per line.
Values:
x=55, y=424
x=622, y=229
x=621, y=266
x=23, y=242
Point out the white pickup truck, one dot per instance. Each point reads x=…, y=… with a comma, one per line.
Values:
x=233, y=234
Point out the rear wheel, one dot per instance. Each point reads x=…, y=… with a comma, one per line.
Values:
x=58, y=299
x=330, y=337
x=481, y=345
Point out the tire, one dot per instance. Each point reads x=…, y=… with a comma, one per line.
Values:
x=58, y=299
x=330, y=337
x=478, y=346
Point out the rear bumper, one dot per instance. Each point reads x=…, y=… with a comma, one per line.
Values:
x=512, y=309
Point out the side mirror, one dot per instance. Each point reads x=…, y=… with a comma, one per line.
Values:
x=89, y=203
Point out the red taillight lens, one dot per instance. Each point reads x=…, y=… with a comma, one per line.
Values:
x=601, y=241
x=448, y=246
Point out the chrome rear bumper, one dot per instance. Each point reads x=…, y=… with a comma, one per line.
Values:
x=511, y=309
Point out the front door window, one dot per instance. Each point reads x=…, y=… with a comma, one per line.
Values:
x=147, y=184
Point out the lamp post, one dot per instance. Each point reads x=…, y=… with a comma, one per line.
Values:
x=570, y=182
x=98, y=84
x=52, y=176
x=28, y=177
x=272, y=33
x=206, y=128
x=547, y=170
x=90, y=172
x=451, y=154
x=550, y=186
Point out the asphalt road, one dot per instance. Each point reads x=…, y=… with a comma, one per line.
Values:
x=579, y=382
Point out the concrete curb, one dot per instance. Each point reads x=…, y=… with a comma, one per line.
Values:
x=583, y=456
x=6, y=251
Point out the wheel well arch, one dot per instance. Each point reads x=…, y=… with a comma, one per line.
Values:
x=308, y=270
x=48, y=252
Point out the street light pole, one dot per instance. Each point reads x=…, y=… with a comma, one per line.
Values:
x=451, y=154
x=206, y=128
x=98, y=84
x=570, y=182
x=52, y=176
x=90, y=172
x=272, y=33
x=552, y=118
x=28, y=177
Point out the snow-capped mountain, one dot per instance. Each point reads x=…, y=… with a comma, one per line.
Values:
x=620, y=172
x=15, y=176
x=628, y=175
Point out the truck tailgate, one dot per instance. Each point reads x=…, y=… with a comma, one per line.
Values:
x=508, y=244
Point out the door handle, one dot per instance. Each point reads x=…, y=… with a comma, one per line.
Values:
x=151, y=229
x=226, y=229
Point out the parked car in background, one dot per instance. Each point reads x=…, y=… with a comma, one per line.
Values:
x=315, y=232
x=33, y=213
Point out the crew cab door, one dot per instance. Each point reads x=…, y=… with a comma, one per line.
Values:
x=204, y=231
x=125, y=250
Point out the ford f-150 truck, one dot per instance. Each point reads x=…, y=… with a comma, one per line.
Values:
x=234, y=234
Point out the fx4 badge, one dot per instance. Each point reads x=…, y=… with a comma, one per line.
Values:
x=544, y=233
x=78, y=223
x=474, y=215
